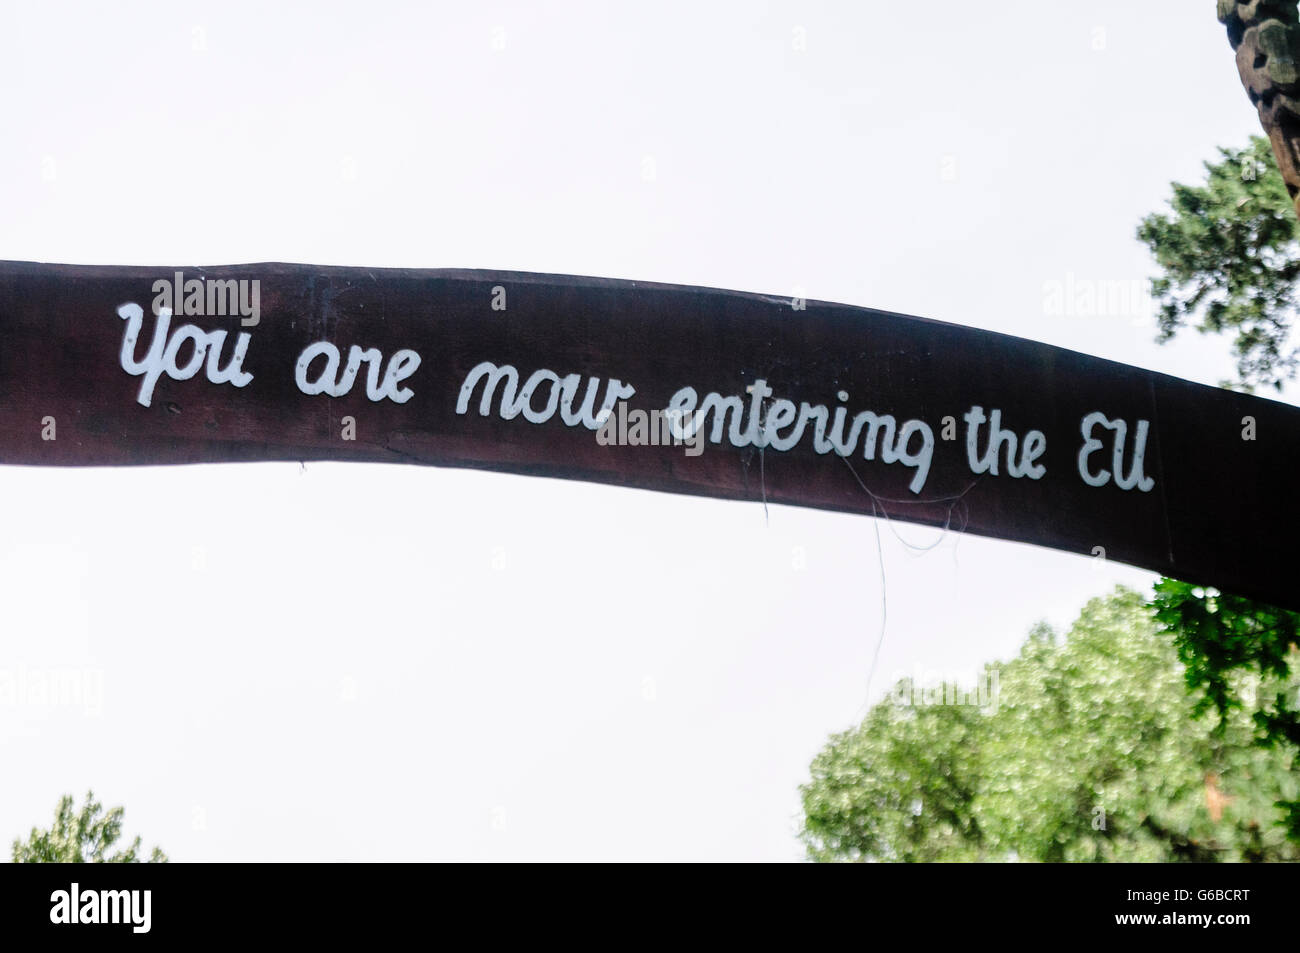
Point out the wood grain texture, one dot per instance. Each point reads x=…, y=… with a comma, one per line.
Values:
x=1221, y=511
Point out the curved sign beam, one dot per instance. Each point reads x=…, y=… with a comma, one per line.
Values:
x=687, y=390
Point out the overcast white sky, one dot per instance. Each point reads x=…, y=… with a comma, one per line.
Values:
x=386, y=662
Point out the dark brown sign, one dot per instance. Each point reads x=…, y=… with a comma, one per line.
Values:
x=689, y=390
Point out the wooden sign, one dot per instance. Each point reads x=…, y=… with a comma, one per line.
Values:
x=688, y=390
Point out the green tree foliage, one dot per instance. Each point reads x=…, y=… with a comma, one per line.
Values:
x=1229, y=258
x=1227, y=251
x=1240, y=656
x=81, y=837
x=1088, y=750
